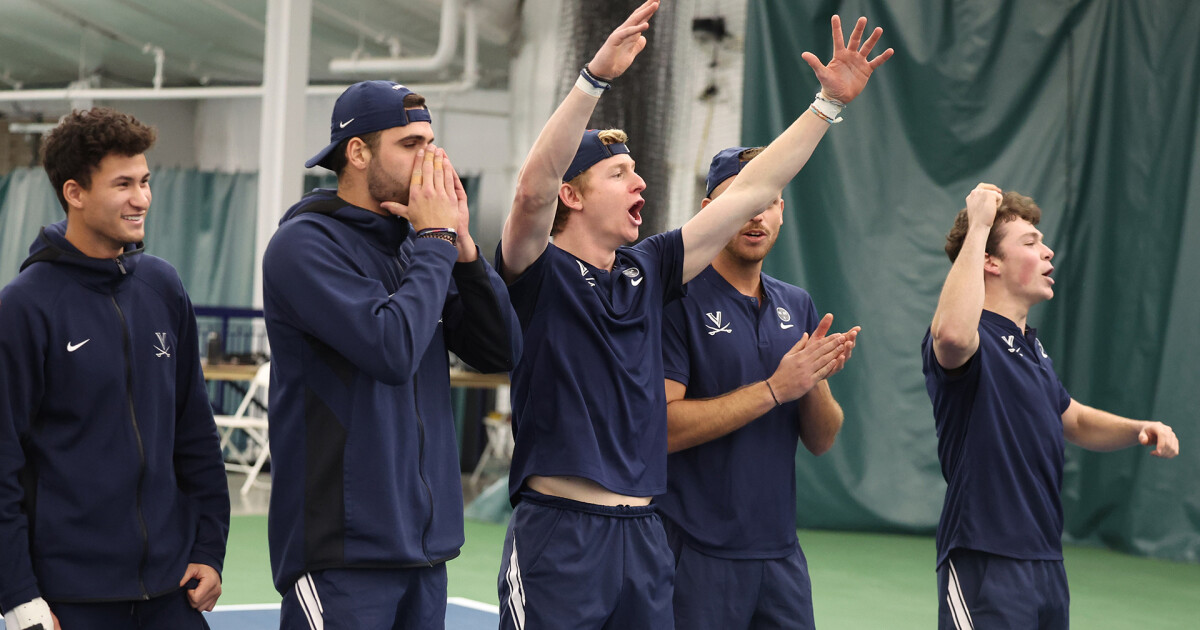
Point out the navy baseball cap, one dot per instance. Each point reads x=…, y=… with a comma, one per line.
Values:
x=725, y=164
x=365, y=107
x=591, y=150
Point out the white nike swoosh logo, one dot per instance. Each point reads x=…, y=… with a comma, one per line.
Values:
x=343, y=125
x=638, y=281
x=785, y=326
x=72, y=347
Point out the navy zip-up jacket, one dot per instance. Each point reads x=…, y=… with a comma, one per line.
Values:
x=360, y=314
x=111, y=479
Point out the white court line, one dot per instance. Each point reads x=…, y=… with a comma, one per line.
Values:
x=241, y=607
x=474, y=605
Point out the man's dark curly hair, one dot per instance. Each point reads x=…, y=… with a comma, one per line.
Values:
x=74, y=149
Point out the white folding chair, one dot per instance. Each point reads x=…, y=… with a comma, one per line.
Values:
x=499, y=444
x=252, y=420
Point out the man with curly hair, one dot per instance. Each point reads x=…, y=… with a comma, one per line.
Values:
x=114, y=508
x=1002, y=417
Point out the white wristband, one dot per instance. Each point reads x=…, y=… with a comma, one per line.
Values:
x=587, y=87
x=827, y=109
x=29, y=615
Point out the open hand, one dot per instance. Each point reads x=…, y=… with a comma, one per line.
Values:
x=811, y=360
x=851, y=337
x=848, y=71
x=464, y=243
x=623, y=45
x=432, y=202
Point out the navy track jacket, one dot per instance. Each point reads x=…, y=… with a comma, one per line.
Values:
x=360, y=314
x=111, y=478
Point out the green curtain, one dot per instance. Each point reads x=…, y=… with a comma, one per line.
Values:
x=203, y=223
x=27, y=202
x=1090, y=107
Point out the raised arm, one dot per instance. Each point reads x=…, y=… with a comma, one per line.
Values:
x=764, y=177
x=955, y=328
x=1099, y=430
x=527, y=229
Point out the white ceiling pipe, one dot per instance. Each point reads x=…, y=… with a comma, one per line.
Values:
x=447, y=46
x=470, y=76
x=469, y=79
x=132, y=94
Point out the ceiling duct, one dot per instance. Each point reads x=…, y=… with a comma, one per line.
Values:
x=441, y=58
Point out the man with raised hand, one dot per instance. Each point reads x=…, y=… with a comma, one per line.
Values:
x=588, y=403
x=1002, y=415
x=365, y=288
x=746, y=358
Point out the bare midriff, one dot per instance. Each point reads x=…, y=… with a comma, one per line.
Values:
x=582, y=490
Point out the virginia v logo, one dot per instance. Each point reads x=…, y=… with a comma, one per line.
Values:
x=584, y=271
x=717, y=326
x=1011, y=348
x=163, y=349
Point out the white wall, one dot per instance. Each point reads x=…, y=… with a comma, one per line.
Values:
x=176, y=145
x=472, y=126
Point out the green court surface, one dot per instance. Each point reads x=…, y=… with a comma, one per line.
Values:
x=859, y=580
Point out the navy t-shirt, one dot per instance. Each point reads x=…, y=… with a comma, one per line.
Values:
x=735, y=496
x=587, y=394
x=1000, y=444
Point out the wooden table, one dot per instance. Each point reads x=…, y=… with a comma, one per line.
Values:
x=230, y=372
x=458, y=378
x=463, y=378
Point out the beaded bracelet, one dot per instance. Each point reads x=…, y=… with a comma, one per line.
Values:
x=446, y=234
x=826, y=108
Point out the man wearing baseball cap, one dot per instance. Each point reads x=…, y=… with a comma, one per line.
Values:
x=746, y=358
x=589, y=410
x=365, y=288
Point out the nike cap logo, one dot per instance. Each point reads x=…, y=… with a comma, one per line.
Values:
x=342, y=125
x=72, y=347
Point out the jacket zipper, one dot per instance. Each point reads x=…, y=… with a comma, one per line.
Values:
x=421, y=469
x=137, y=433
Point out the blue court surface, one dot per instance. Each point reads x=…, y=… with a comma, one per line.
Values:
x=461, y=614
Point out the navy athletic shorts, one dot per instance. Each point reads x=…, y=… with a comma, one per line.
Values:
x=734, y=594
x=985, y=591
x=584, y=566
x=342, y=599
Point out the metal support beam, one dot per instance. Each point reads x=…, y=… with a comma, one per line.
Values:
x=281, y=157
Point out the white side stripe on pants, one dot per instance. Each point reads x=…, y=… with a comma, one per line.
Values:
x=516, y=590
x=958, y=605
x=310, y=602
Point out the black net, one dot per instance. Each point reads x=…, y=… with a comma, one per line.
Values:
x=640, y=100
